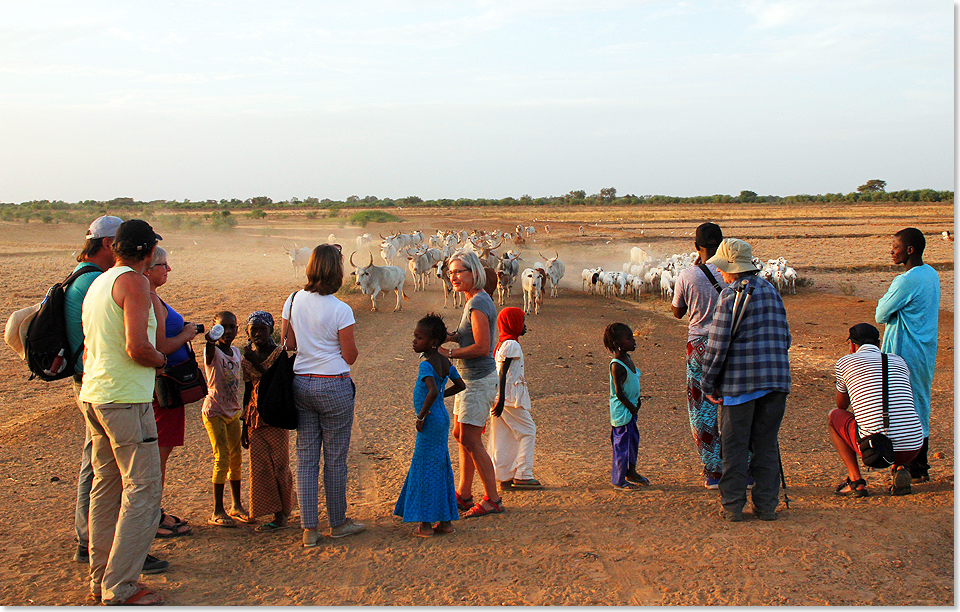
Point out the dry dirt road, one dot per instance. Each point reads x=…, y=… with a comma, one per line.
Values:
x=576, y=542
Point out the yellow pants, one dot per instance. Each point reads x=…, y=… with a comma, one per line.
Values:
x=225, y=439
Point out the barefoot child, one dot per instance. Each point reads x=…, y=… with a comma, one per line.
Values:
x=512, y=431
x=271, y=481
x=429, y=493
x=221, y=417
x=624, y=406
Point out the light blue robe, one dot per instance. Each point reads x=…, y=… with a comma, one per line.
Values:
x=911, y=311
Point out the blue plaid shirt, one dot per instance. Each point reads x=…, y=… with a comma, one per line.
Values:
x=756, y=358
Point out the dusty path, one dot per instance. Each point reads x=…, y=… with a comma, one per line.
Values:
x=577, y=542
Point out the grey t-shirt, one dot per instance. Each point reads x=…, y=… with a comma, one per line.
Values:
x=479, y=367
x=696, y=292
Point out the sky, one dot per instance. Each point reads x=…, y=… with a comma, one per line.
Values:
x=197, y=99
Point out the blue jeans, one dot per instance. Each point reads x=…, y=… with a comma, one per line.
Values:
x=81, y=519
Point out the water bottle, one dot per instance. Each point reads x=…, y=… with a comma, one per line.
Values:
x=215, y=332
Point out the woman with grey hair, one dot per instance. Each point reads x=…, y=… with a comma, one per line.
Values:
x=174, y=342
x=475, y=336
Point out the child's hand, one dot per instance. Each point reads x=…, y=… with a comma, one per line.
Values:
x=419, y=424
x=497, y=409
x=244, y=436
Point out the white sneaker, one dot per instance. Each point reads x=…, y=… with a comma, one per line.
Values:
x=347, y=528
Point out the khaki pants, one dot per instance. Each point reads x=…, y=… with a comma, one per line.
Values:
x=125, y=497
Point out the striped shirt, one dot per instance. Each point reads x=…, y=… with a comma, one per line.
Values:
x=755, y=359
x=859, y=375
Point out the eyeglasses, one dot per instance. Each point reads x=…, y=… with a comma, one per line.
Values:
x=458, y=272
x=164, y=264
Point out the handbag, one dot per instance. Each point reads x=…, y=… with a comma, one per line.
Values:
x=876, y=450
x=275, y=403
x=181, y=384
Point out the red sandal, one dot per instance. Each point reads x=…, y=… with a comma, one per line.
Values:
x=479, y=510
x=464, y=503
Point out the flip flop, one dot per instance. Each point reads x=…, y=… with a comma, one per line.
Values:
x=143, y=597
x=529, y=483
x=271, y=526
x=627, y=486
x=421, y=534
x=222, y=521
x=437, y=530
x=240, y=517
x=176, y=520
x=173, y=531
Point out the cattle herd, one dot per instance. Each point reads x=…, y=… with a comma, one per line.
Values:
x=647, y=274
x=428, y=257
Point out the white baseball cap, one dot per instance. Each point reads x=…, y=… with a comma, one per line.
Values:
x=104, y=227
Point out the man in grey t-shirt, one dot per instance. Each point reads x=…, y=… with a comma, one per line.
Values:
x=697, y=293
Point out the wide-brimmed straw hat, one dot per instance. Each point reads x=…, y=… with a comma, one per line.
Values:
x=16, y=330
x=733, y=256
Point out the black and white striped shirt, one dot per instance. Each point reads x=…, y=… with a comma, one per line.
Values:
x=860, y=376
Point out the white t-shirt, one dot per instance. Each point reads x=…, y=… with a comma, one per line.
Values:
x=317, y=320
x=515, y=391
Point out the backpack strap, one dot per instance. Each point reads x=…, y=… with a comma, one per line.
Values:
x=710, y=277
x=884, y=391
x=283, y=341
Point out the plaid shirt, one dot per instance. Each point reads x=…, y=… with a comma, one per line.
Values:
x=756, y=358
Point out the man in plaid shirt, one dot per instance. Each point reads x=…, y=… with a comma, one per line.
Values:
x=746, y=371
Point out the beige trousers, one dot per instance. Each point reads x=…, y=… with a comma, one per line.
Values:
x=125, y=498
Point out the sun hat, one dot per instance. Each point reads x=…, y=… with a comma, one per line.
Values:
x=864, y=333
x=733, y=256
x=104, y=227
x=15, y=332
x=137, y=234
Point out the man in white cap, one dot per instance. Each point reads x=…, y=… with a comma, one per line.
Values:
x=747, y=372
x=120, y=328
x=95, y=257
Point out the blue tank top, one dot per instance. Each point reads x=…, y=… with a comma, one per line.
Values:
x=619, y=415
x=172, y=327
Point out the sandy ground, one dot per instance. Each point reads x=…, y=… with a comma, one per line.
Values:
x=577, y=541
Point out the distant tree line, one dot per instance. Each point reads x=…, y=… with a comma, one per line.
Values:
x=217, y=213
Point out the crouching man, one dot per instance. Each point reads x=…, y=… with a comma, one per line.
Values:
x=859, y=387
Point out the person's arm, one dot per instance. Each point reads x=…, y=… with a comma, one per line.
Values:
x=432, y=394
x=892, y=301
x=843, y=400
x=718, y=342
x=679, y=311
x=679, y=304
x=498, y=407
x=619, y=374
x=166, y=345
x=131, y=292
x=287, y=330
x=348, y=345
x=457, y=383
x=481, y=338
x=209, y=349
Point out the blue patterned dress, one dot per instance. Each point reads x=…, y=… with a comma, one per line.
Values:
x=429, y=493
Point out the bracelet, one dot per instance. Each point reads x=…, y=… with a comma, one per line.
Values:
x=450, y=353
x=419, y=420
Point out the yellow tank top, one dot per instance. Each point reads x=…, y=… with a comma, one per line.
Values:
x=110, y=376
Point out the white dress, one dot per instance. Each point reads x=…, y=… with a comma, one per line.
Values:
x=513, y=435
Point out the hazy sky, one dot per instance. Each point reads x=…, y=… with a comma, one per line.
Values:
x=220, y=99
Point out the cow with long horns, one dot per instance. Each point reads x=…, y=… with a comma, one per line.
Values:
x=373, y=279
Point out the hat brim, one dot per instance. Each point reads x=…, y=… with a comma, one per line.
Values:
x=732, y=267
x=15, y=333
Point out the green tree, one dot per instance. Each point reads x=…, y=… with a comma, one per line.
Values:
x=608, y=194
x=748, y=196
x=873, y=185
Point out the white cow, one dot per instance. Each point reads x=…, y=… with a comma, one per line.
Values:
x=373, y=279
x=299, y=257
x=555, y=270
x=532, y=283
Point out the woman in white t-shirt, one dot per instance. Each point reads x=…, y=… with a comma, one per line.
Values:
x=320, y=328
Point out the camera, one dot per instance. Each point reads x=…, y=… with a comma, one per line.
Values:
x=199, y=328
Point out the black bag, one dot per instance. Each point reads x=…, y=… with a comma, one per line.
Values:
x=46, y=346
x=275, y=403
x=876, y=450
x=181, y=384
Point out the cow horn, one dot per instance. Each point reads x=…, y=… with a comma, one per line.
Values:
x=542, y=255
x=351, y=260
x=371, y=259
x=381, y=235
x=558, y=254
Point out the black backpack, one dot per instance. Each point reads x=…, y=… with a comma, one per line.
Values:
x=46, y=346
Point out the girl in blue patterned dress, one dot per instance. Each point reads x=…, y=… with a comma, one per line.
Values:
x=429, y=494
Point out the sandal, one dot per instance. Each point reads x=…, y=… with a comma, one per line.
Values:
x=464, y=503
x=529, y=483
x=240, y=516
x=176, y=520
x=222, y=520
x=438, y=530
x=627, y=486
x=422, y=534
x=143, y=597
x=638, y=479
x=173, y=531
x=479, y=510
x=271, y=526
x=856, y=488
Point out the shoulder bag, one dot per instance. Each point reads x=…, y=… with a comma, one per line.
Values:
x=275, y=403
x=876, y=450
x=181, y=384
